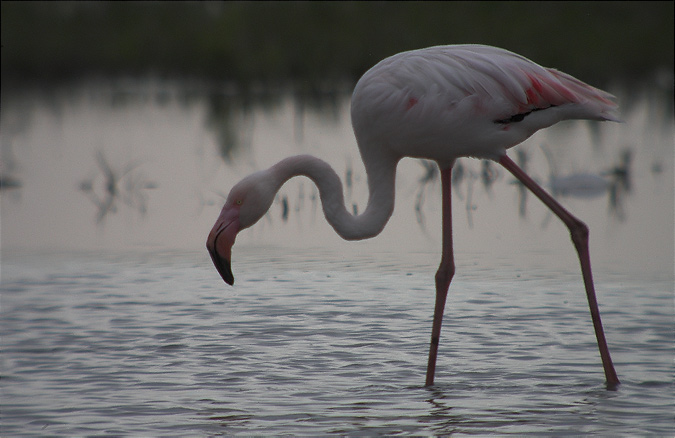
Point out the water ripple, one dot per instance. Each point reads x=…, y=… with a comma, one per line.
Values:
x=305, y=354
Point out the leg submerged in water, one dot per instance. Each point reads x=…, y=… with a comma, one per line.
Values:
x=444, y=275
x=579, y=233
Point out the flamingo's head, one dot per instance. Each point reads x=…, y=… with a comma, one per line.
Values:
x=247, y=202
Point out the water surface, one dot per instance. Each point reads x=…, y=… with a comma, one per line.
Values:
x=114, y=321
x=309, y=344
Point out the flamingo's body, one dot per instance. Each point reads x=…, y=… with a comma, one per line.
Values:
x=439, y=103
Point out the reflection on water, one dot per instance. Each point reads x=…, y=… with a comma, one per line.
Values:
x=231, y=115
x=168, y=153
x=620, y=183
x=112, y=186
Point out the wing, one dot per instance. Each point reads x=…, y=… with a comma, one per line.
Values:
x=505, y=81
x=471, y=93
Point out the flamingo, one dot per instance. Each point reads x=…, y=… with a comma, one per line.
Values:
x=438, y=103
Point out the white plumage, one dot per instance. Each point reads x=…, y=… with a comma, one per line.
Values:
x=443, y=102
x=438, y=103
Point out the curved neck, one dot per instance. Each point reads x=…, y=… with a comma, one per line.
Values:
x=381, y=182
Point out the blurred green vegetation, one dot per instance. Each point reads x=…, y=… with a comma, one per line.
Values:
x=316, y=43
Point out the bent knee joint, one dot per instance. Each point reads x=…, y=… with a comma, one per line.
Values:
x=579, y=232
x=445, y=274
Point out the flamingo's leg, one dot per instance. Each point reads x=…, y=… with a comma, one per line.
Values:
x=444, y=275
x=579, y=232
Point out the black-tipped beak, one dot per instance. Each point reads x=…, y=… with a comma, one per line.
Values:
x=223, y=266
x=220, y=241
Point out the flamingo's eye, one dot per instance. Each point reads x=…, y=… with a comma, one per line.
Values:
x=239, y=202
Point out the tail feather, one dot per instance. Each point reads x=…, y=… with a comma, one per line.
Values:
x=596, y=103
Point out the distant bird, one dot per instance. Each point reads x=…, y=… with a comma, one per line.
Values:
x=438, y=103
x=580, y=185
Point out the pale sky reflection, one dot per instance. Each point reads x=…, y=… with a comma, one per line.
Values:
x=170, y=183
